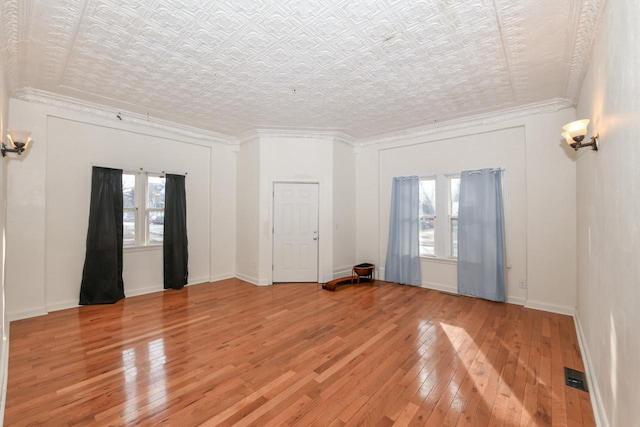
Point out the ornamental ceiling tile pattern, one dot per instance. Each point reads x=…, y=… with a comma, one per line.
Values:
x=361, y=68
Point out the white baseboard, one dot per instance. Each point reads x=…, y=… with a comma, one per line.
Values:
x=342, y=272
x=599, y=413
x=4, y=371
x=516, y=300
x=143, y=291
x=439, y=287
x=62, y=305
x=454, y=290
x=18, y=315
x=247, y=279
x=552, y=308
x=198, y=280
x=219, y=277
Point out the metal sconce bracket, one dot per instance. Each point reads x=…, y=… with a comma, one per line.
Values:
x=19, y=149
x=595, y=142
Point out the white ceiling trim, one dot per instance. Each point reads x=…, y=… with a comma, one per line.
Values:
x=123, y=116
x=332, y=136
x=587, y=27
x=545, y=107
x=95, y=110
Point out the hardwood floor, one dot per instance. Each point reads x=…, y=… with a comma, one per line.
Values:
x=230, y=353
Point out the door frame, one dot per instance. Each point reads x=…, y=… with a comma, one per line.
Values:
x=321, y=241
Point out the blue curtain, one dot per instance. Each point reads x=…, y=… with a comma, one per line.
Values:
x=403, y=251
x=481, y=254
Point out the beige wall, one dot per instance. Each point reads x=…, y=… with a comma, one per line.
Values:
x=608, y=200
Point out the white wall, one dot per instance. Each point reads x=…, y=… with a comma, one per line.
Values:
x=540, y=216
x=248, y=212
x=296, y=159
x=500, y=148
x=48, y=205
x=608, y=199
x=4, y=113
x=344, y=210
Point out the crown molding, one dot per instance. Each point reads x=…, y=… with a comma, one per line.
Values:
x=333, y=136
x=122, y=116
x=586, y=31
x=550, y=106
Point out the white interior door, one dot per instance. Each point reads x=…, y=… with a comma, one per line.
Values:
x=295, y=232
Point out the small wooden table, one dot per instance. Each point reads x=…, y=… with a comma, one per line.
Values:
x=363, y=270
x=366, y=272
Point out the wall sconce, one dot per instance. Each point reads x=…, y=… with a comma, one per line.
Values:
x=575, y=132
x=19, y=141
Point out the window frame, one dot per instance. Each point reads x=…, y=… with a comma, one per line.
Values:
x=432, y=217
x=442, y=241
x=452, y=217
x=142, y=217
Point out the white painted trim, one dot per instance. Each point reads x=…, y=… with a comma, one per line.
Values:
x=62, y=305
x=4, y=371
x=197, y=281
x=127, y=117
x=544, y=107
x=516, y=300
x=19, y=315
x=439, y=287
x=325, y=134
x=322, y=246
x=244, y=278
x=552, y=308
x=219, y=277
x=454, y=290
x=342, y=271
x=597, y=404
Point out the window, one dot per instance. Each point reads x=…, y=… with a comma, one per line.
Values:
x=143, y=208
x=427, y=216
x=454, y=197
x=439, y=198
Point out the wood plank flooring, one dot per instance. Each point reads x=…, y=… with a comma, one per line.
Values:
x=230, y=353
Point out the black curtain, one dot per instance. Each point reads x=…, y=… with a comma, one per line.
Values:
x=102, y=275
x=176, y=255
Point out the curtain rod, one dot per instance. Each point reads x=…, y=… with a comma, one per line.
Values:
x=480, y=170
x=139, y=169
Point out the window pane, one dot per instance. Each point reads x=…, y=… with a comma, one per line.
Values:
x=454, y=191
x=156, y=226
x=454, y=237
x=427, y=197
x=129, y=190
x=427, y=216
x=155, y=192
x=129, y=227
x=427, y=236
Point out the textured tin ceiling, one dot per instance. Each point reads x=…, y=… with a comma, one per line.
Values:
x=358, y=67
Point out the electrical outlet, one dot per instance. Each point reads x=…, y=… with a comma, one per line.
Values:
x=523, y=284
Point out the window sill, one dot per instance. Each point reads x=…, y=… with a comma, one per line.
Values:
x=439, y=260
x=142, y=248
